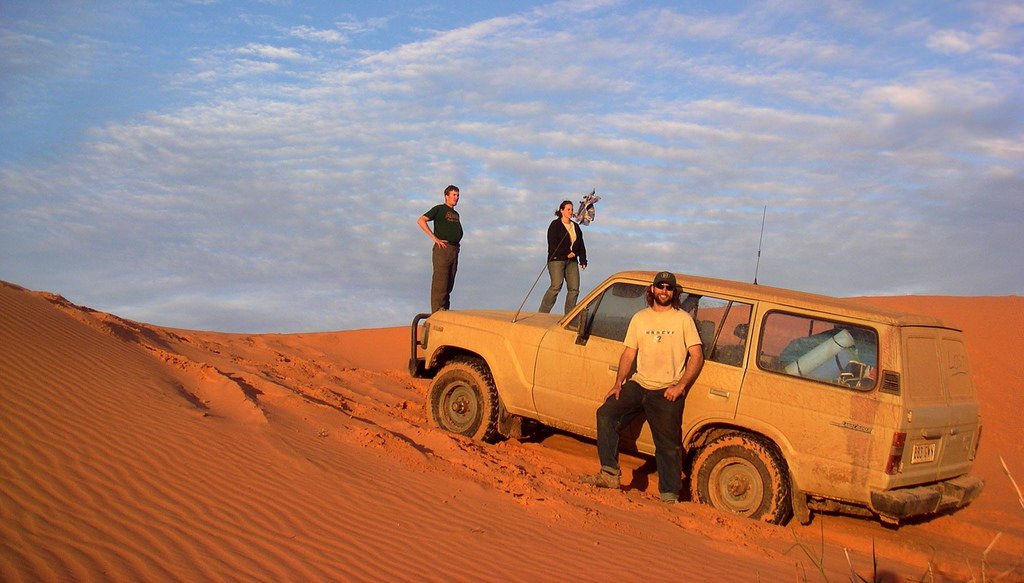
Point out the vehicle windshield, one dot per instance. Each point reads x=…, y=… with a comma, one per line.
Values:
x=611, y=311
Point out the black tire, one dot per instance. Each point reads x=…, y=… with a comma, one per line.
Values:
x=463, y=400
x=744, y=474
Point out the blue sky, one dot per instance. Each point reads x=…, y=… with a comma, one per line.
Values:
x=260, y=166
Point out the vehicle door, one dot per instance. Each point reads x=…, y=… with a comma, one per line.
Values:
x=942, y=410
x=813, y=387
x=575, y=369
x=723, y=325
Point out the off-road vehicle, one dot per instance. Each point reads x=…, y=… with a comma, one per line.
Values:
x=805, y=402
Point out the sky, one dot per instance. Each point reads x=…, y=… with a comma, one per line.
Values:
x=260, y=166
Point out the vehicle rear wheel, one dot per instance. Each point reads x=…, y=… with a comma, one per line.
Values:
x=744, y=474
x=463, y=399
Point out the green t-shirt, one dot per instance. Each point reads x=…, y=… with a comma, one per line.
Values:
x=446, y=223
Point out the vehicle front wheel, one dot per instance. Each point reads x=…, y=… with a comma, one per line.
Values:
x=743, y=474
x=463, y=399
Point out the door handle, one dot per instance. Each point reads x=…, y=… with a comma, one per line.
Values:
x=930, y=434
x=719, y=392
x=613, y=367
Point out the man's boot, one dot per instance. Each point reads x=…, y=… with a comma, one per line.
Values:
x=602, y=479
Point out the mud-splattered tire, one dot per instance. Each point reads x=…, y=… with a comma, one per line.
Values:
x=744, y=474
x=463, y=399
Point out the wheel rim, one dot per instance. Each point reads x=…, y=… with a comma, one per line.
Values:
x=459, y=408
x=735, y=485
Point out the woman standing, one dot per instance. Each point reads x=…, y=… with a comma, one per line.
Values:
x=566, y=255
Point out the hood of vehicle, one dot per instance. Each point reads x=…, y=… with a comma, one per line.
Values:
x=493, y=320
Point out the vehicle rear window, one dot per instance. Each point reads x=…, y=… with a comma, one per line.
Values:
x=924, y=373
x=955, y=354
x=833, y=352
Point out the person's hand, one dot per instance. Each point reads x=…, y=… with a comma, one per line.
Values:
x=583, y=266
x=616, y=389
x=571, y=255
x=441, y=243
x=674, y=392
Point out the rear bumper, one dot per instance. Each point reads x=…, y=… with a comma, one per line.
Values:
x=896, y=505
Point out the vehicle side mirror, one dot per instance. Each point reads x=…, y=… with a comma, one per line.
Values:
x=583, y=331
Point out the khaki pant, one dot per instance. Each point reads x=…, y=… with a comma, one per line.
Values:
x=569, y=271
x=446, y=263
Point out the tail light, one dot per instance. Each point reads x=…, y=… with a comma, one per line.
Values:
x=892, y=465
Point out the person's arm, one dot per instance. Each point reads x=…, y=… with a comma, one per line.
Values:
x=423, y=225
x=581, y=247
x=694, y=364
x=625, y=365
x=553, y=238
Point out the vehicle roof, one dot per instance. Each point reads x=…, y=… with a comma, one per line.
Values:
x=794, y=299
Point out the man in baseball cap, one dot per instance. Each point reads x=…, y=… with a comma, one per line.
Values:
x=663, y=341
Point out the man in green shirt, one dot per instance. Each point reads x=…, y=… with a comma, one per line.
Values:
x=446, y=236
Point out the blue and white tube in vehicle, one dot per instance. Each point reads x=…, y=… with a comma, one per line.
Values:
x=818, y=355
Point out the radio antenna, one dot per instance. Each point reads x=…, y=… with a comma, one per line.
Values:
x=759, y=241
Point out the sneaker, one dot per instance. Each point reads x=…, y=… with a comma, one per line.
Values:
x=601, y=479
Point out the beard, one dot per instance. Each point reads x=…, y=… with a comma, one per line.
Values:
x=664, y=302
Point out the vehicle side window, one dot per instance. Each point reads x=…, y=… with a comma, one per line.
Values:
x=612, y=310
x=838, y=353
x=723, y=326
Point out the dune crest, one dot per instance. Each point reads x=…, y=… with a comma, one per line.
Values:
x=135, y=452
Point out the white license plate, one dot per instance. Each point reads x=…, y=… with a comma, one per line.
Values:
x=924, y=452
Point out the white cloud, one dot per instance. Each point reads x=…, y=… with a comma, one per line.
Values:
x=319, y=35
x=270, y=52
x=910, y=99
x=949, y=42
x=249, y=67
x=1014, y=61
x=796, y=47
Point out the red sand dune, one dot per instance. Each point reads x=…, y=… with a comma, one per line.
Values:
x=134, y=452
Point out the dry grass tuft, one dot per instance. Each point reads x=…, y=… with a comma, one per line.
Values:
x=1012, y=481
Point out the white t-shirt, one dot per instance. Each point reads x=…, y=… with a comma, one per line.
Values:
x=661, y=340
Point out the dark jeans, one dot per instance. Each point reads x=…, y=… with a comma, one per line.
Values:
x=569, y=270
x=666, y=420
x=446, y=263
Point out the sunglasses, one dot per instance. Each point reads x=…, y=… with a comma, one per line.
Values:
x=665, y=286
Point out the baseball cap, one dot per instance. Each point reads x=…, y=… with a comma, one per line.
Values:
x=665, y=277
